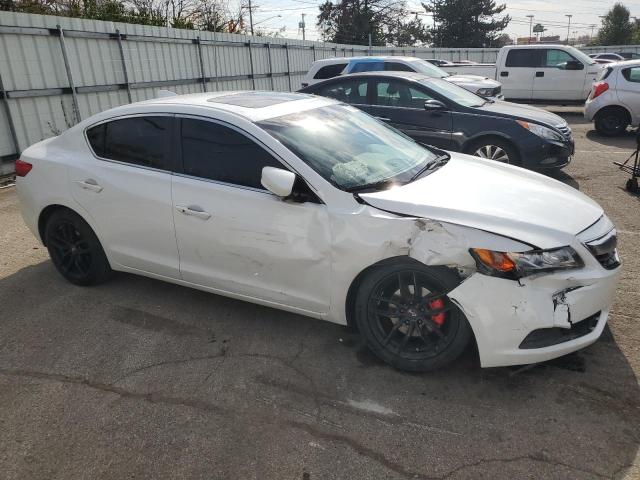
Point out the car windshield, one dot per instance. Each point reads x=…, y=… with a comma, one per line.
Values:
x=351, y=149
x=453, y=92
x=583, y=57
x=429, y=69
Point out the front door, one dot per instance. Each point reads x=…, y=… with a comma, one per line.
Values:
x=126, y=189
x=401, y=105
x=552, y=80
x=235, y=236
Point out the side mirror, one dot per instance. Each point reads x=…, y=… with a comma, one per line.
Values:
x=278, y=181
x=434, y=105
x=574, y=65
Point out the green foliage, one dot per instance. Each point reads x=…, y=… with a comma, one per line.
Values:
x=352, y=21
x=466, y=23
x=616, y=28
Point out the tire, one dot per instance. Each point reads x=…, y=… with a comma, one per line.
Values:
x=411, y=329
x=611, y=122
x=75, y=250
x=494, y=148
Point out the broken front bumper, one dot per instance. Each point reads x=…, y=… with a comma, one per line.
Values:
x=505, y=313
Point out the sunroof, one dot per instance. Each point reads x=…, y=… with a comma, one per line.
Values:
x=255, y=99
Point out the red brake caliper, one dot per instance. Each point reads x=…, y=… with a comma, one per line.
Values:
x=437, y=304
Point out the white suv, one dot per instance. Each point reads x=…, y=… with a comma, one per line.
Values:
x=332, y=67
x=614, y=101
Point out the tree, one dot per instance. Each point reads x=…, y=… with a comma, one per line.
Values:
x=352, y=21
x=466, y=23
x=616, y=28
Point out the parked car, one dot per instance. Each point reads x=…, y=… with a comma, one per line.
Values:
x=312, y=206
x=614, y=101
x=333, y=67
x=539, y=73
x=629, y=55
x=607, y=56
x=439, y=113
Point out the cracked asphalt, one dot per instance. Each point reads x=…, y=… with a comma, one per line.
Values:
x=141, y=379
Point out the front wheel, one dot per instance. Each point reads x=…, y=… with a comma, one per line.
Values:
x=494, y=149
x=407, y=319
x=75, y=250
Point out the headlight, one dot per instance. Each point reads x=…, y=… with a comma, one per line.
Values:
x=517, y=265
x=485, y=92
x=542, y=132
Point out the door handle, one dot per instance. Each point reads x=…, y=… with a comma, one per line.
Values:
x=194, y=212
x=384, y=119
x=504, y=74
x=89, y=184
x=539, y=74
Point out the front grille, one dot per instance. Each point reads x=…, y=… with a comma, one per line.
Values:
x=605, y=251
x=565, y=130
x=545, y=337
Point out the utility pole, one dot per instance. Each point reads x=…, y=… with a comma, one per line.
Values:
x=301, y=25
x=568, y=26
x=530, y=17
x=250, y=18
x=591, y=37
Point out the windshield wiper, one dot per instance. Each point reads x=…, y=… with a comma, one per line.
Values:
x=374, y=186
x=431, y=166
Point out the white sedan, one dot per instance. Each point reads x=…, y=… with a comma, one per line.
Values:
x=312, y=206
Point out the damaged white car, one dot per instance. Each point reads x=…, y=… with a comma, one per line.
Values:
x=312, y=206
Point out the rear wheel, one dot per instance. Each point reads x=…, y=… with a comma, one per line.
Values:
x=495, y=149
x=610, y=122
x=407, y=318
x=75, y=250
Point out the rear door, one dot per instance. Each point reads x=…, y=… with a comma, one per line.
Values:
x=552, y=80
x=126, y=189
x=401, y=104
x=518, y=72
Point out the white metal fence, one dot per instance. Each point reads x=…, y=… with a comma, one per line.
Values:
x=55, y=70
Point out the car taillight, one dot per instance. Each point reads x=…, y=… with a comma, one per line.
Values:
x=22, y=168
x=599, y=88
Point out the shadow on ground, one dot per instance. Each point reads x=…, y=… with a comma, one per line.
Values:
x=141, y=378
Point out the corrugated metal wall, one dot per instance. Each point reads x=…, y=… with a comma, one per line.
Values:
x=109, y=64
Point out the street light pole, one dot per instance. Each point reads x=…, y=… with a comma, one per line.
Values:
x=530, y=26
x=568, y=26
x=250, y=18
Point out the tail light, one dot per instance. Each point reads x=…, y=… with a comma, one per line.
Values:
x=598, y=89
x=22, y=168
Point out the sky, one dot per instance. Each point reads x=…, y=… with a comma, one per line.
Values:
x=274, y=14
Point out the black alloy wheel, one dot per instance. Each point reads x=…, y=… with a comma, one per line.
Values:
x=411, y=323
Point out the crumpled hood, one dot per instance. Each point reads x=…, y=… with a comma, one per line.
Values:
x=494, y=197
x=473, y=79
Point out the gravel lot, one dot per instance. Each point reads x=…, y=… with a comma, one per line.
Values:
x=142, y=379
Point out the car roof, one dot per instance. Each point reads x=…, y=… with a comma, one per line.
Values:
x=624, y=63
x=255, y=106
x=397, y=74
x=365, y=58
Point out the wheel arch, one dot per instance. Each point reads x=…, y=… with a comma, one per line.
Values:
x=615, y=106
x=49, y=210
x=350, y=303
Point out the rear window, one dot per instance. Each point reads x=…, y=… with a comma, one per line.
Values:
x=329, y=71
x=523, y=58
x=136, y=140
x=604, y=73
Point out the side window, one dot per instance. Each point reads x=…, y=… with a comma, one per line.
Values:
x=136, y=140
x=349, y=91
x=522, y=58
x=216, y=152
x=394, y=93
x=366, y=67
x=632, y=74
x=329, y=71
x=397, y=67
x=556, y=58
